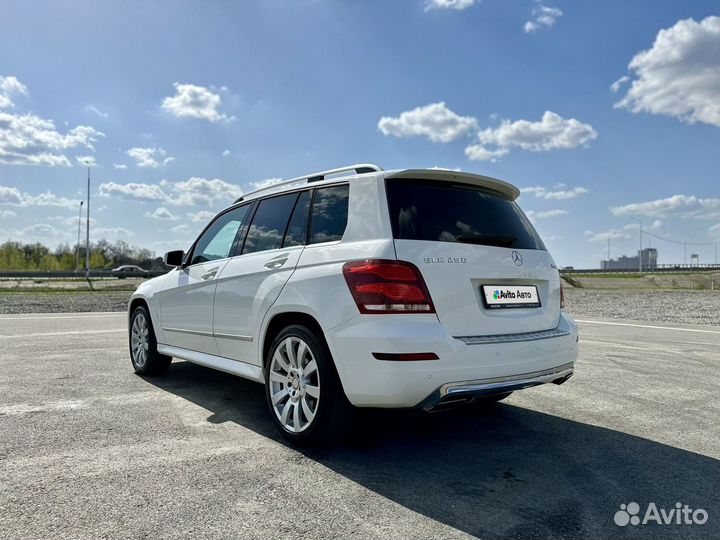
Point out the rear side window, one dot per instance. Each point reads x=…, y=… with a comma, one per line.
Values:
x=446, y=212
x=297, y=228
x=269, y=223
x=329, y=214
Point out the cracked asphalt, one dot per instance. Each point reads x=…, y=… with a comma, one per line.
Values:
x=90, y=450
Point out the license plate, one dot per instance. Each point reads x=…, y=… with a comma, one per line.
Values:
x=510, y=296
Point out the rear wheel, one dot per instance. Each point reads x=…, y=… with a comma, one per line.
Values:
x=145, y=358
x=302, y=388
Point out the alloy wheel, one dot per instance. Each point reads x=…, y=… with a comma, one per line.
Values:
x=294, y=384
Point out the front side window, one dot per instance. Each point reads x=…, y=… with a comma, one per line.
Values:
x=218, y=240
x=329, y=214
x=268, y=226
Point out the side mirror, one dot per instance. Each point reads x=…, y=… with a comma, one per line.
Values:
x=174, y=258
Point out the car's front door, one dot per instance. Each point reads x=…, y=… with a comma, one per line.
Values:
x=189, y=291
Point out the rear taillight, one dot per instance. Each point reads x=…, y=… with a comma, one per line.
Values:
x=384, y=286
x=562, y=296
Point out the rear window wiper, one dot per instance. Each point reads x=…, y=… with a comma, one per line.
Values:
x=500, y=240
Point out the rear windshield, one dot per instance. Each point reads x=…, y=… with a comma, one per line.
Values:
x=447, y=212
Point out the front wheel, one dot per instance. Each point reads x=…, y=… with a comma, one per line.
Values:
x=145, y=358
x=303, y=389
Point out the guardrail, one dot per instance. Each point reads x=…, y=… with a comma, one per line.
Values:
x=94, y=274
x=678, y=268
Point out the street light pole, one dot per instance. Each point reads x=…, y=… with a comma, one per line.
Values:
x=77, y=246
x=87, y=230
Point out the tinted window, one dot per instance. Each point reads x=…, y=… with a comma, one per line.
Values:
x=329, y=214
x=297, y=228
x=444, y=212
x=268, y=226
x=218, y=240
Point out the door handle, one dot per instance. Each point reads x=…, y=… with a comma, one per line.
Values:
x=210, y=274
x=277, y=262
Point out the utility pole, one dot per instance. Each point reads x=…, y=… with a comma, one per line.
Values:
x=685, y=252
x=640, y=253
x=87, y=231
x=608, y=249
x=77, y=246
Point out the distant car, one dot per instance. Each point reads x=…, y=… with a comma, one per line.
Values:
x=129, y=270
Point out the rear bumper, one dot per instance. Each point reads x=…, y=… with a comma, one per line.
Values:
x=468, y=366
x=467, y=390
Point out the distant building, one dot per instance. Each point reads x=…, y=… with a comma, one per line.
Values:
x=649, y=258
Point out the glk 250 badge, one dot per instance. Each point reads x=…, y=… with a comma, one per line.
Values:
x=451, y=260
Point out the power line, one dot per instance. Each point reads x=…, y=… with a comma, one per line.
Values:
x=680, y=242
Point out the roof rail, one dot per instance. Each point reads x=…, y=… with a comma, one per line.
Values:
x=358, y=168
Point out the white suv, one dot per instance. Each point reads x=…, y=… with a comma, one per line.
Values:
x=364, y=287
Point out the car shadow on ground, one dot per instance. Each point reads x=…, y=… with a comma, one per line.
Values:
x=502, y=472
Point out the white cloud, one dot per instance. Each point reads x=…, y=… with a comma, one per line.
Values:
x=204, y=192
x=679, y=75
x=612, y=234
x=94, y=110
x=261, y=184
x=86, y=161
x=192, y=192
x=450, y=4
x=561, y=194
x=7, y=214
x=655, y=225
x=715, y=229
x=683, y=206
x=149, y=157
x=10, y=195
x=434, y=121
x=70, y=221
x=10, y=86
x=30, y=140
x=201, y=216
x=119, y=166
x=615, y=87
x=134, y=191
x=535, y=215
x=193, y=101
x=552, y=132
x=111, y=233
x=226, y=153
x=543, y=16
x=180, y=229
x=27, y=139
x=161, y=213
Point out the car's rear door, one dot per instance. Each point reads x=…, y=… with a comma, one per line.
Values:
x=473, y=245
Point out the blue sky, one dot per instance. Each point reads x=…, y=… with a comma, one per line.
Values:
x=183, y=105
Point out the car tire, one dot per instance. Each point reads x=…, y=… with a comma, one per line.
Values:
x=144, y=356
x=302, y=386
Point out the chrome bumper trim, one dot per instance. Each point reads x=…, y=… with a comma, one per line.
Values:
x=464, y=390
x=512, y=338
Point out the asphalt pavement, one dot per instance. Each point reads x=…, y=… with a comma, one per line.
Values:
x=90, y=450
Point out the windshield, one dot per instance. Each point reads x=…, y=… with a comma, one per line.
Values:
x=447, y=212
